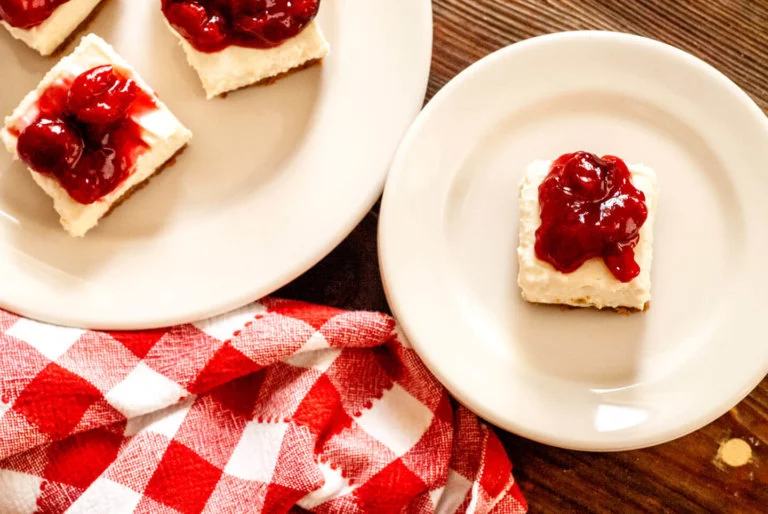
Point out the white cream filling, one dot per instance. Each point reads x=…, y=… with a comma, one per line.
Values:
x=236, y=66
x=50, y=34
x=164, y=134
x=592, y=285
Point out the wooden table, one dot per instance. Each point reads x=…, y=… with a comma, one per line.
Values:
x=681, y=476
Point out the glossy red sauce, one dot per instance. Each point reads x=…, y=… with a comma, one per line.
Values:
x=589, y=208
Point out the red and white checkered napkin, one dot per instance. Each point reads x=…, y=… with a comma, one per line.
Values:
x=280, y=406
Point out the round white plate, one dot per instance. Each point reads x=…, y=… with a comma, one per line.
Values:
x=584, y=379
x=274, y=178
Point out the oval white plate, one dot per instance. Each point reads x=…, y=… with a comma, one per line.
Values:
x=584, y=379
x=274, y=178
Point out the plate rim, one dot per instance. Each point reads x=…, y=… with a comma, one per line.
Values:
x=385, y=234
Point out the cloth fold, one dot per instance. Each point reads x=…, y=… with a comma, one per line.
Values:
x=280, y=406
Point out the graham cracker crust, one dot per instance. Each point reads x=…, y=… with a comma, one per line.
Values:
x=624, y=311
x=271, y=80
x=167, y=164
x=59, y=51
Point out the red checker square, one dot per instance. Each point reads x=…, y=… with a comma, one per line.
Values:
x=80, y=459
x=56, y=400
x=411, y=373
x=391, y=490
x=137, y=460
x=345, y=373
x=422, y=503
x=296, y=467
x=183, y=480
x=239, y=396
x=18, y=434
x=141, y=342
x=182, y=354
x=230, y=495
x=359, y=455
x=358, y=329
x=100, y=359
x=222, y=430
x=272, y=339
x=20, y=362
x=322, y=412
x=429, y=458
x=283, y=389
x=313, y=315
x=467, y=443
x=56, y=497
x=497, y=468
x=226, y=365
x=280, y=498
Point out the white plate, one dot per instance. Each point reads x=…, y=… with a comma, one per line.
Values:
x=584, y=379
x=274, y=178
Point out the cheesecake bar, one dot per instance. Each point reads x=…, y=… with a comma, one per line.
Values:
x=44, y=25
x=91, y=133
x=245, y=49
x=592, y=283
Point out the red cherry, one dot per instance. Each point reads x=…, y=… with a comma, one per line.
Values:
x=50, y=146
x=98, y=173
x=194, y=23
x=101, y=95
x=586, y=176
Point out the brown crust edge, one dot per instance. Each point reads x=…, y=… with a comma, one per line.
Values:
x=167, y=164
x=624, y=311
x=271, y=80
x=59, y=50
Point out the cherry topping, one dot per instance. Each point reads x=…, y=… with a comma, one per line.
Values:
x=101, y=95
x=589, y=208
x=26, y=14
x=99, y=172
x=212, y=25
x=50, y=146
x=85, y=134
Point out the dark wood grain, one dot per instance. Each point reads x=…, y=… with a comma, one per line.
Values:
x=681, y=476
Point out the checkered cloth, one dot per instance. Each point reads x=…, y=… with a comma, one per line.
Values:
x=278, y=407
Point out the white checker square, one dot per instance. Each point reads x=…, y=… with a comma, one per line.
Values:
x=143, y=391
x=18, y=492
x=50, y=340
x=256, y=454
x=311, y=356
x=3, y=408
x=398, y=420
x=452, y=495
x=165, y=421
x=335, y=486
x=224, y=326
x=106, y=496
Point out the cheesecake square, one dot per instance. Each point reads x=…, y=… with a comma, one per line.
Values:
x=158, y=133
x=55, y=30
x=236, y=67
x=592, y=284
